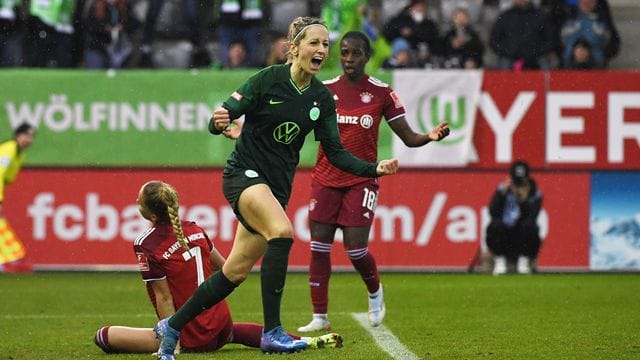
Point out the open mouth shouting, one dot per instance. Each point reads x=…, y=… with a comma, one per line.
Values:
x=316, y=62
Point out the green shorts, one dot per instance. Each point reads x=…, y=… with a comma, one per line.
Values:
x=234, y=181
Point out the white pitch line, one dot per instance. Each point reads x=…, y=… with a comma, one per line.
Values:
x=385, y=339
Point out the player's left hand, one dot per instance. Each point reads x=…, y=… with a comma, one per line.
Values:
x=387, y=167
x=233, y=130
x=439, y=132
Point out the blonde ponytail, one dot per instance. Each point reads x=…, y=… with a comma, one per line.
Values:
x=161, y=199
x=174, y=217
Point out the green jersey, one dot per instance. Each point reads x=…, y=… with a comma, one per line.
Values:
x=278, y=116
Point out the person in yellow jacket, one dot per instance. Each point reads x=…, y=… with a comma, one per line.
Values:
x=12, y=153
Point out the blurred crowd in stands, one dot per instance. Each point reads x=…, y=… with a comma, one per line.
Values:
x=227, y=34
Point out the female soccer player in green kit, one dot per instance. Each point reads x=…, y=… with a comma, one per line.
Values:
x=281, y=104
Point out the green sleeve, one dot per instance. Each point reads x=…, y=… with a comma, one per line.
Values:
x=327, y=126
x=246, y=97
x=345, y=161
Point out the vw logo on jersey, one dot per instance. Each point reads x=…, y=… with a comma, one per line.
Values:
x=286, y=132
x=366, y=121
x=251, y=174
x=314, y=113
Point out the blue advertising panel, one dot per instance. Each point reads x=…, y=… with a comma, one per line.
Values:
x=615, y=221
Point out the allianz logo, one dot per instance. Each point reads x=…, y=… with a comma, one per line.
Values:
x=366, y=121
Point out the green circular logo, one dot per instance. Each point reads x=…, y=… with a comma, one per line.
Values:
x=448, y=109
x=314, y=113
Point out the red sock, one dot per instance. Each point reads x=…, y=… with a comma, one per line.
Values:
x=102, y=339
x=365, y=264
x=248, y=334
x=319, y=274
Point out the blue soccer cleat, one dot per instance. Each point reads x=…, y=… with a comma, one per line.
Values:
x=168, y=337
x=278, y=341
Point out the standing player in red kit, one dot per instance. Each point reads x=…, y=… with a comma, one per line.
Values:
x=174, y=257
x=342, y=200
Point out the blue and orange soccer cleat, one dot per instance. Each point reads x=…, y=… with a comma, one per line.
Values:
x=168, y=337
x=277, y=340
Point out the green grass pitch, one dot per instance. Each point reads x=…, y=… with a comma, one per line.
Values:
x=436, y=316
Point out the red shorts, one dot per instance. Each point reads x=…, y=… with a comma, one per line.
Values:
x=348, y=206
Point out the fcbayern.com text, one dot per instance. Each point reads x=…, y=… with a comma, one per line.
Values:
x=98, y=220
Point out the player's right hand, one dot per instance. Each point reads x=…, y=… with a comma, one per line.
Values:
x=387, y=167
x=221, y=119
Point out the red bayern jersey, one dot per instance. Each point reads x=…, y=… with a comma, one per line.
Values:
x=160, y=256
x=360, y=108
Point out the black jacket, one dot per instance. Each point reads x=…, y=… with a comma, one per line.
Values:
x=528, y=209
x=522, y=33
x=472, y=49
x=423, y=32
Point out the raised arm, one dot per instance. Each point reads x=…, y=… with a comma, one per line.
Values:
x=401, y=127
